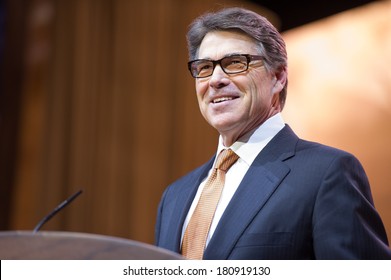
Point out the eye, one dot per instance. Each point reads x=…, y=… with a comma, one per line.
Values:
x=234, y=63
x=204, y=67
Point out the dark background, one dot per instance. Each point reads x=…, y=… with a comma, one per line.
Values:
x=295, y=13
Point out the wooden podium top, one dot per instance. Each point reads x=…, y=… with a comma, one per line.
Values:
x=48, y=245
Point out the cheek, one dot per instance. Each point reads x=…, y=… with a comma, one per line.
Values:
x=259, y=95
x=201, y=89
x=254, y=90
x=261, y=86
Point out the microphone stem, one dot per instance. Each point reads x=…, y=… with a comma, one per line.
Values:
x=56, y=210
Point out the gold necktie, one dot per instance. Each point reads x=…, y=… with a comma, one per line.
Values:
x=196, y=233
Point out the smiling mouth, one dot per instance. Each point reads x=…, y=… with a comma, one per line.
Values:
x=222, y=99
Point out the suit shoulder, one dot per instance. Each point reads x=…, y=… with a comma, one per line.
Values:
x=323, y=156
x=322, y=149
x=288, y=144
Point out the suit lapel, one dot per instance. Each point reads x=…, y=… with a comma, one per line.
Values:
x=262, y=179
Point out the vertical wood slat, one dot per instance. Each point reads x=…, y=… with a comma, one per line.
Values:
x=11, y=84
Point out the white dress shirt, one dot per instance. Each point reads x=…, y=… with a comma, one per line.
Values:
x=247, y=148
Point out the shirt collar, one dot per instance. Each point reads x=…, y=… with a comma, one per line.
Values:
x=251, y=144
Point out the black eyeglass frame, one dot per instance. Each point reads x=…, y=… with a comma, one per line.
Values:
x=249, y=58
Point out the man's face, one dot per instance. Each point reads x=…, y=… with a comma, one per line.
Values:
x=235, y=104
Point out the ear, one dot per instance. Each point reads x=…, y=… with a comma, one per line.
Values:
x=280, y=78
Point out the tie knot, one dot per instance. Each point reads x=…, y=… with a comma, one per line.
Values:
x=225, y=159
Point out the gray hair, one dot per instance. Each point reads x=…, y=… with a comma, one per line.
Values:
x=270, y=42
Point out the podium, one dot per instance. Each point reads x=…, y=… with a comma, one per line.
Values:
x=54, y=245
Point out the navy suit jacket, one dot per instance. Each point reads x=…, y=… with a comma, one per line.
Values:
x=298, y=200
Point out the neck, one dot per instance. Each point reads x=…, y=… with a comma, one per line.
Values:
x=231, y=136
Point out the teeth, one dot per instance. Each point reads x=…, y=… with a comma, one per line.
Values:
x=218, y=100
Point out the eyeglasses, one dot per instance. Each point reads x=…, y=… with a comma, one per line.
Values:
x=232, y=64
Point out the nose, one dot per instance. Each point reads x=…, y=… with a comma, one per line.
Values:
x=219, y=78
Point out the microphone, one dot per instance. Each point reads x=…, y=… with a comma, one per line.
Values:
x=56, y=210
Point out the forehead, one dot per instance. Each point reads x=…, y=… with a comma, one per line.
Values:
x=217, y=44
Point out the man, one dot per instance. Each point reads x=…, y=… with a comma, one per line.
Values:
x=282, y=197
